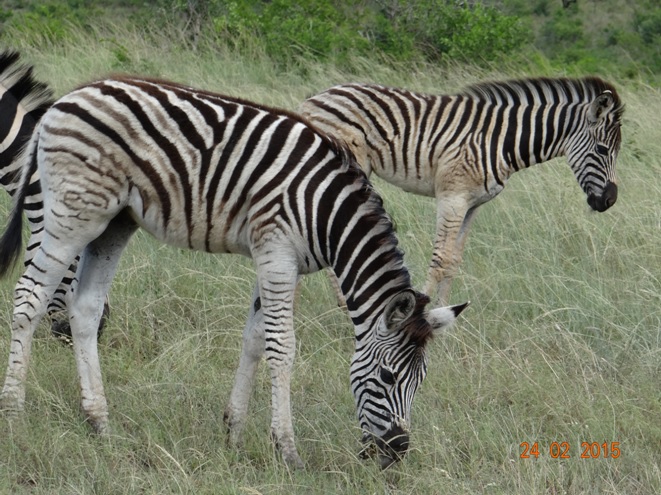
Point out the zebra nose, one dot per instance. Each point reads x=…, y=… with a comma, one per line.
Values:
x=392, y=445
x=607, y=198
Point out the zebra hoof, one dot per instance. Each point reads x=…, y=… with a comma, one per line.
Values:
x=234, y=429
x=288, y=452
x=293, y=461
x=99, y=427
x=98, y=422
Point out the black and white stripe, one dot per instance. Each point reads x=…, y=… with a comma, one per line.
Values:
x=461, y=149
x=218, y=174
x=23, y=100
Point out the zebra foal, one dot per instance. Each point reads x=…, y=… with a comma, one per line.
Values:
x=203, y=171
x=461, y=149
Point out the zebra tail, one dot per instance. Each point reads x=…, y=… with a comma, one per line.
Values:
x=11, y=242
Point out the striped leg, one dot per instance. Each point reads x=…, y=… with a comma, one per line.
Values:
x=252, y=351
x=96, y=270
x=32, y=295
x=57, y=309
x=277, y=281
x=269, y=331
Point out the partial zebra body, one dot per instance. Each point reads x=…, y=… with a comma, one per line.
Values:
x=23, y=101
x=461, y=149
x=212, y=173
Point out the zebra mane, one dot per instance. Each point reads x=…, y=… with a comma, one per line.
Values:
x=16, y=78
x=572, y=90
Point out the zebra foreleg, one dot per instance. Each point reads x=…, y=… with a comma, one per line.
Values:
x=252, y=351
x=95, y=272
x=277, y=282
x=280, y=362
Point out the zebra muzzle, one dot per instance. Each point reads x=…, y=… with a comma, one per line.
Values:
x=388, y=448
x=604, y=201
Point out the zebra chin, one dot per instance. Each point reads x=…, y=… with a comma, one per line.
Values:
x=388, y=448
x=604, y=201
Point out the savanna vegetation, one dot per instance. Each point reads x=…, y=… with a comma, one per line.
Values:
x=561, y=344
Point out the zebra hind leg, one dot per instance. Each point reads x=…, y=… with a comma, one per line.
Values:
x=95, y=272
x=32, y=295
x=57, y=310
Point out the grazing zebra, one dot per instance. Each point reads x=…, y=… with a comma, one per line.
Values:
x=23, y=101
x=217, y=174
x=461, y=149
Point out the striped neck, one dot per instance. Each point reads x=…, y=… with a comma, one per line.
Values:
x=364, y=253
x=538, y=134
x=539, y=116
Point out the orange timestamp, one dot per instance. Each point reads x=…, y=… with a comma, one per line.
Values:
x=561, y=450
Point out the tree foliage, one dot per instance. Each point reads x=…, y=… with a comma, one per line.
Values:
x=578, y=37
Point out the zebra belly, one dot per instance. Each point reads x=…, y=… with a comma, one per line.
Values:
x=409, y=181
x=197, y=230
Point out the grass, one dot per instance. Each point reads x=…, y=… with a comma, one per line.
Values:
x=561, y=343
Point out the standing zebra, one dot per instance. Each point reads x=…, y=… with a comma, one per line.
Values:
x=217, y=174
x=23, y=101
x=461, y=149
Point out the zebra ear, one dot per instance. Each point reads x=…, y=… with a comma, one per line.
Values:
x=399, y=308
x=441, y=318
x=601, y=105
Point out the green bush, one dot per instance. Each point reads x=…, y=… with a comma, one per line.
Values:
x=312, y=27
x=444, y=29
x=648, y=26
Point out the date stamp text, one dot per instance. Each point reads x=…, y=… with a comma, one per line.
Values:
x=563, y=450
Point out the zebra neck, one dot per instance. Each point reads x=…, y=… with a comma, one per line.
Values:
x=535, y=135
x=368, y=283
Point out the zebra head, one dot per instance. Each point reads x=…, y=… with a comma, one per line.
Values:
x=387, y=370
x=593, y=150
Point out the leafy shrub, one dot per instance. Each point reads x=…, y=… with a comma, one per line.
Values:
x=448, y=29
x=648, y=26
x=562, y=32
x=316, y=28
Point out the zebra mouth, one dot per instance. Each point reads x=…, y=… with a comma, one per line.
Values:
x=388, y=449
x=605, y=200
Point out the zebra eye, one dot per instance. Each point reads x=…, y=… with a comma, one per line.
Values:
x=602, y=150
x=387, y=376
